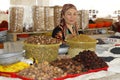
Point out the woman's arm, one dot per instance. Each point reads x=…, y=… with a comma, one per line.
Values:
x=57, y=33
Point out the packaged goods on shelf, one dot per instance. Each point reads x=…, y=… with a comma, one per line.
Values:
x=49, y=18
x=84, y=19
x=57, y=10
x=16, y=19
x=38, y=18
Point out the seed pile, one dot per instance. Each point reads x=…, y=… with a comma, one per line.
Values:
x=115, y=50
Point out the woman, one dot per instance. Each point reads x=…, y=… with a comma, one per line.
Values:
x=116, y=25
x=68, y=24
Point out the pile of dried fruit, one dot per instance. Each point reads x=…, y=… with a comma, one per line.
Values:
x=69, y=66
x=90, y=60
x=83, y=62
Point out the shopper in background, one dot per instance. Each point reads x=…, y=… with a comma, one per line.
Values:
x=68, y=24
x=116, y=25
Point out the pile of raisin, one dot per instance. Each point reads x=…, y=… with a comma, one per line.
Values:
x=90, y=60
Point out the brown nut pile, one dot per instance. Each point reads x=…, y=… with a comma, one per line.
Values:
x=42, y=71
x=41, y=39
x=68, y=65
x=90, y=60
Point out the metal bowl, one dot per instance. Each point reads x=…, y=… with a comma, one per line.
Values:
x=9, y=58
x=3, y=36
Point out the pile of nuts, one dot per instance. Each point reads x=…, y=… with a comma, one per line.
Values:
x=41, y=39
x=42, y=71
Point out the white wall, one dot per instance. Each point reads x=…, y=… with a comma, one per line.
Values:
x=4, y=4
x=105, y=7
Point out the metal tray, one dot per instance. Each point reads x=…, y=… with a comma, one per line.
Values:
x=9, y=58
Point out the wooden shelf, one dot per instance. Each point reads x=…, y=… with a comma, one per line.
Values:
x=13, y=36
x=32, y=32
x=94, y=28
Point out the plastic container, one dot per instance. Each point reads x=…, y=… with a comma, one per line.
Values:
x=42, y=52
x=107, y=24
x=92, y=25
x=3, y=29
x=82, y=42
x=100, y=24
x=22, y=37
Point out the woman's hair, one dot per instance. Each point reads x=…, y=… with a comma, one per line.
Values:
x=63, y=11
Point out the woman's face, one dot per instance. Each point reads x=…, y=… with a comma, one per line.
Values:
x=70, y=16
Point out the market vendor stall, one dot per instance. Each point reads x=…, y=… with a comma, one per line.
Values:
x=29, y=52
x=77, y=69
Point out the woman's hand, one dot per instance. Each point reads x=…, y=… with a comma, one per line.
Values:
x=59, y=35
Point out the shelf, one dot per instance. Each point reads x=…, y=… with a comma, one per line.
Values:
x=32, y=32
x=13, y=36
x=94, y=28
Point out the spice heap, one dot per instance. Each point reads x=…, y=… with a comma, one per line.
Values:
x=115, y=50
x=82, y=38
